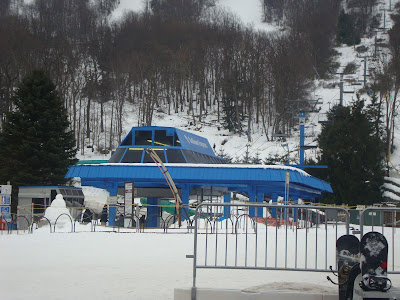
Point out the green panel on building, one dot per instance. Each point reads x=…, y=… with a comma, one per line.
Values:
x=371, y=218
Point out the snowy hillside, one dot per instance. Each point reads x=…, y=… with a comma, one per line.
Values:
x=248, y=11
x=326, y=92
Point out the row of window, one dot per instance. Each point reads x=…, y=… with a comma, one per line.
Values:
x=71, y=192
x=200, y=158
x=74, y=202
x=146, y=138
x=138, y=155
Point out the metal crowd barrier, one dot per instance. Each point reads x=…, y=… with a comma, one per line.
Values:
x=298, y=238
x=31, y=221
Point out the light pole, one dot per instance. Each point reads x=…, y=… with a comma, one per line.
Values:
x=287, y=146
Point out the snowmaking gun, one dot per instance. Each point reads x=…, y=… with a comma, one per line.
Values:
x=178, y=201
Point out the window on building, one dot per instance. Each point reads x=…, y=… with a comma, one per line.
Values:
x=116, y=157
x=128, y=140
x=200, y=158
x=68, y=202
x=177, y=142
x=53, y=194
x=190, y=156
x=148, y=159
x=161, y=138
x=196, y=157
x=143, y=137
x=175, y=156
x=206, y=159
x=132, y=156
x=38, y=206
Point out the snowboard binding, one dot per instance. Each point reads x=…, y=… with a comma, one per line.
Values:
x=344, y=273
x=375, y=283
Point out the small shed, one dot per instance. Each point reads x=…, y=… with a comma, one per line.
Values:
x=372, y=218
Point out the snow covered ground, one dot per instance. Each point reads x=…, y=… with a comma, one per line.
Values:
x=130, y=265
x=107, y=263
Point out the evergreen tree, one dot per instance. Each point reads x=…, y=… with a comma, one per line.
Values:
x=354, y=155
x=224, y=155
x=347, y=32
x=230, y=119
x=275, y=159
x=36, y=144
x=246, y=158
x=256, y=160
x=375, y=114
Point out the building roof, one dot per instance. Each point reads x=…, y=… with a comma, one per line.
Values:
x=129, y=164
x=238, y=178
x=173, y=145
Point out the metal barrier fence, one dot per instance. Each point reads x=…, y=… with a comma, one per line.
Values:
x=298, y=238
x=26, y=224
x=26, y=219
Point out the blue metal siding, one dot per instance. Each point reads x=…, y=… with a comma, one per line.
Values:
x=236, y=178
x=194, y=142
x=240, y=178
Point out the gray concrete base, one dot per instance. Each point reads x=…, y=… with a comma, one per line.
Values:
x=252, y=294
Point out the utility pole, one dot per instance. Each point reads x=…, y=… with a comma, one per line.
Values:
x=295, y=106
x=302, y=123
x=384, y=19
x=342, y=91
x=303, y=106
x=303, y=147
x=365, y=69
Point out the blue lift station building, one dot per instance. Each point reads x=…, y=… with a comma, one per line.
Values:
x=195, y=169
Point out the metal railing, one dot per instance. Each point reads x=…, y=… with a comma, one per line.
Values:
x=123, y=222
x=296, y=238
x=26, y=220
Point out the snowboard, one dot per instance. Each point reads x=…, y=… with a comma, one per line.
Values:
x=354, y=272
x=347, y=256
x=373, y=261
